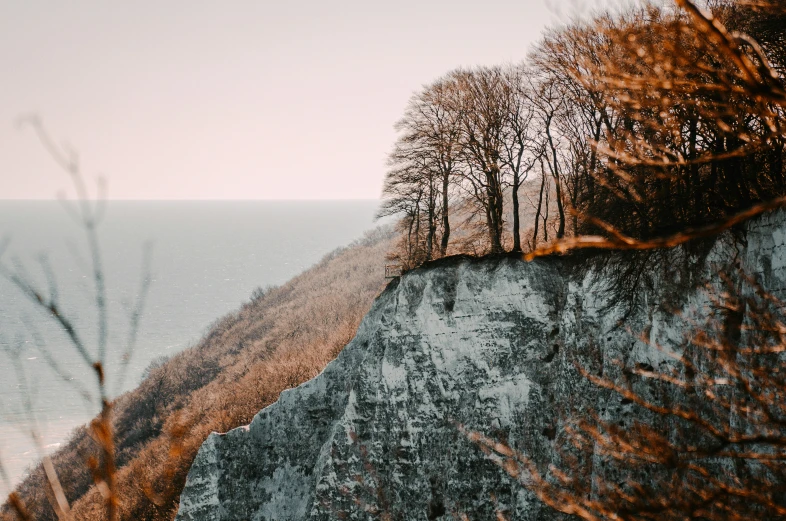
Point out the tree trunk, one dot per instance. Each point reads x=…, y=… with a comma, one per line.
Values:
x=409, y=240
x=443, y=247
x=592, y=164
x=432, y=223
x=430, y=235
x=490, y=223
x=416, y=252
x=540, y=204
x=516, y=224
x=493, y=192
x=776, y=165
x=558, y=188
x=560, y=209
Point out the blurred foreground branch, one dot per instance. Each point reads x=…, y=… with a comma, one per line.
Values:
x=88, y=213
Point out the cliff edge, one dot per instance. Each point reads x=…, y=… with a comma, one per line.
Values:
x=492, y=345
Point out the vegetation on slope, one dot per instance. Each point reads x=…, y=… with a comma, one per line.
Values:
x=281, y=338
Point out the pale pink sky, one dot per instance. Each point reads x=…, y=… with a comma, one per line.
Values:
x=186, y=99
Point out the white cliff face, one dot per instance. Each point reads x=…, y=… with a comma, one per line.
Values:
x=490, y=345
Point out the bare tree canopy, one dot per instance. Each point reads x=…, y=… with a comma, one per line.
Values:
x=646, y=125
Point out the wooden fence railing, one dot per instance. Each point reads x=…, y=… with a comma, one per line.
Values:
x=392, y=271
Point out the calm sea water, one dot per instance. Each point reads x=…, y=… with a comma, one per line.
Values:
x=207, y=258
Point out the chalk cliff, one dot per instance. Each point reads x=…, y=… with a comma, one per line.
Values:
x=488, y=344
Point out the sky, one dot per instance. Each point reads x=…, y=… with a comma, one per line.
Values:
x=242, y=99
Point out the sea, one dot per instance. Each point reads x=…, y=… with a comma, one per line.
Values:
x=203, y=259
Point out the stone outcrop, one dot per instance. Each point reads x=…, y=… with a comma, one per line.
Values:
x=490, y=345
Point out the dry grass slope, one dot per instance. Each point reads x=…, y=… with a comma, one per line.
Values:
x=281, y=338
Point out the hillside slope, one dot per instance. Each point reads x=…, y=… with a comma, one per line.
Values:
x=490, y=345
x=281, y=338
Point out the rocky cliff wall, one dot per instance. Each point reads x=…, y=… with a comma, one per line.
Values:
x=489, y=344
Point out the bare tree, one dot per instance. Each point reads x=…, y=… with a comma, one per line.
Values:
x=542, y=208
x=482, y=105
x=569, y=57
x=423, y=165
x=522, y=151
x=411, y=189
x=439, y=129
x=549, y=101
x=403, y=198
